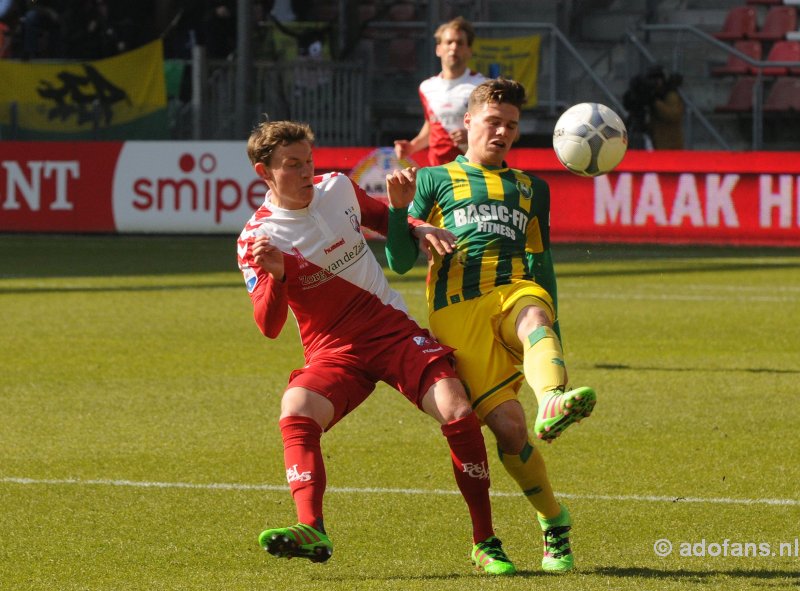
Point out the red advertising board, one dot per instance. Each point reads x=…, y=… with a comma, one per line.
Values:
x=209, y=187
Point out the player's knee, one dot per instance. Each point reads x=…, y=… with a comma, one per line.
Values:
x=512, y=439
x=299, y=402
x=531, y=318
x=447, y=401
x=507, y=423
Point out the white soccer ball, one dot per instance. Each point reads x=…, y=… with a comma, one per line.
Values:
x=590, y=139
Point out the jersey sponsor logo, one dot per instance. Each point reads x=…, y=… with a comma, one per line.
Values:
x=492, y=218
x=334, y=246
x=421, y=341
x=315, y=279
x=346, y=260
x=479, y=471
x=250, y=278
x=293, y=475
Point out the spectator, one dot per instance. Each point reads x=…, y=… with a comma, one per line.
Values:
x=444, y=97
x=655, y=110
x=42, y=29
x=219, y=28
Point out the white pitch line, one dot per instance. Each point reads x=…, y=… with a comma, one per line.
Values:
x=681, y=297
x=392, y=491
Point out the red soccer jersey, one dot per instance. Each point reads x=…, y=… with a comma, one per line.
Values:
x=445, y=102
x=334, y=286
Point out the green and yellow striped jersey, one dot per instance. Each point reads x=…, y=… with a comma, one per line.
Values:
x=501, y=218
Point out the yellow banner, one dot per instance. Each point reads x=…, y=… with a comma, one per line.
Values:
x=512, y=57
x=74, y=97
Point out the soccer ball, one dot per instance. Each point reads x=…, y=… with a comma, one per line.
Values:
x=590, y=139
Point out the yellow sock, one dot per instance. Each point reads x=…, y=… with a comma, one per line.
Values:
x=529, y=471
x=543, y=361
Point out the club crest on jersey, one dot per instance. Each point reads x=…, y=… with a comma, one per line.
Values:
x=524, y=190
x=302, y=263
x=354, y=221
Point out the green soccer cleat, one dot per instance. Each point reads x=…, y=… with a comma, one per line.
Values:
x=488, y=556
x=558, y=556
x=297, y=541
x=558, y=410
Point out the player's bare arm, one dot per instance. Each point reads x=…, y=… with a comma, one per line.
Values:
x=404, y=148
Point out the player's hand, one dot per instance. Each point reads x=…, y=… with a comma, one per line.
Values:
x=268, y=256
x=401, y=186
x=402, y=148
x=459, y=137
x=430, y=237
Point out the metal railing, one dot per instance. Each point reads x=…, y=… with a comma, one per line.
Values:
x=331, y=96
x=555, y=84
x=692, y=109
x=757, y=113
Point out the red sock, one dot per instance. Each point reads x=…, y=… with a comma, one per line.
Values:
x=305, y=469
x=471, y=468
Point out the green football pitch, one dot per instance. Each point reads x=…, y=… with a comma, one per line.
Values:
x=139, y=447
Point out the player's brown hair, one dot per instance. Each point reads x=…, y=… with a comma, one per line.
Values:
x=459, y=24
x=497, y=90
x=269, y=135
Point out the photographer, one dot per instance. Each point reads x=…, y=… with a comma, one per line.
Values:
x=655, y=111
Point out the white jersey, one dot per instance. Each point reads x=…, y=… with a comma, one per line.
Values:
x=334, y=285
x=445, y=102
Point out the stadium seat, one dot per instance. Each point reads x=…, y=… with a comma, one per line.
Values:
x=736, y=65
x=783, y=96
x=740, y=100
x=367, y=12
x=740, y=23
x=783, y=51
x=779, y=21
x=402, y=11
x=403, y=54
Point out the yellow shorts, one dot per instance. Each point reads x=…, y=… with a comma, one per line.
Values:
x=485, y=363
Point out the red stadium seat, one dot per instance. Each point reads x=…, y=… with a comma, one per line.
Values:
x=783, y=51
x=736, y=65
x=740, y=23
x=740, y=100
x=779, y=21
x=783, y=96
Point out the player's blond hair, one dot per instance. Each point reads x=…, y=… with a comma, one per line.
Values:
x=497, y=90
x=458, y=24
x=269, y=135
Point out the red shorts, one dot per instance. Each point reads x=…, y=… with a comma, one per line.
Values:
x=410, y=362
